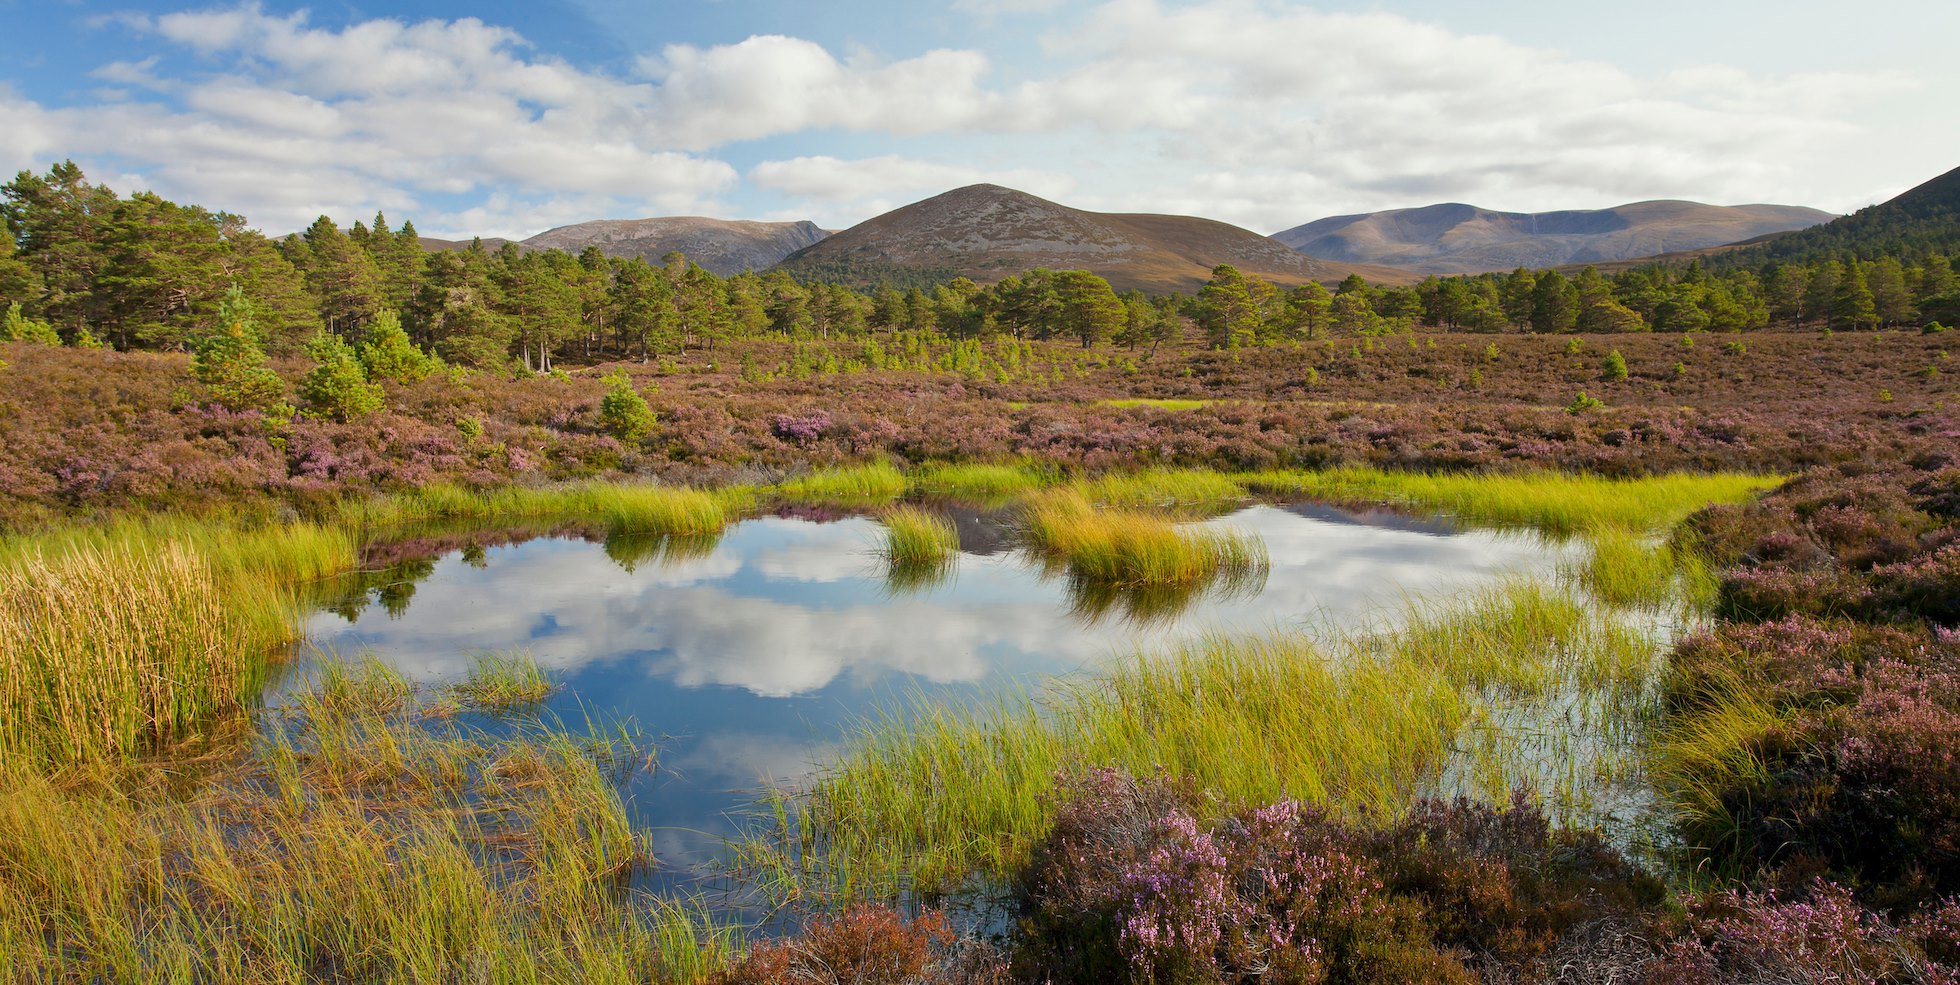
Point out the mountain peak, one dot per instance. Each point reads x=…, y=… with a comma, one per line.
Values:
x=987, y=232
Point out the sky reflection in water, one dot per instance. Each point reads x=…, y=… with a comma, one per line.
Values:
x=754, y=654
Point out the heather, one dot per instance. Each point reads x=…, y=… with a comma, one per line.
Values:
x=1812, y=730
x=87, y=431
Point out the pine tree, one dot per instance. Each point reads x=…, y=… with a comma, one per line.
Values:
x=623, y=413
x=338, y=387
x=1851, y=305
x=230, y=361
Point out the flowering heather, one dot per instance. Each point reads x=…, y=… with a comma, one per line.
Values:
x=1819, y=935
x=800, y=428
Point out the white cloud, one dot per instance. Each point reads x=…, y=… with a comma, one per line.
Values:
x=1245, y=110
x=772, y=84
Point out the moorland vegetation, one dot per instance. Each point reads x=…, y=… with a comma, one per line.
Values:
x=196, y=422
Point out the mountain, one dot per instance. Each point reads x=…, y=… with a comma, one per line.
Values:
x=722, y=246
x=986, y=232
x=431, y=244
x=1464, y=239
x=1923, y=218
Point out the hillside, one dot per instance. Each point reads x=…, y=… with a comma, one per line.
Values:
x=987, y=232
x=724, y=247
x=1464, y=239
x=1923, y=218
x=433, y=245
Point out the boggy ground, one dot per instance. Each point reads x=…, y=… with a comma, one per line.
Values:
x=82, y=431
x=1805, y=738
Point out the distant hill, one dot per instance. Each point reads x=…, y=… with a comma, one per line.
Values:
x=434, y=245
x=1464, y=239
x=987, y=232
x=722, y=246
x=1923, y=218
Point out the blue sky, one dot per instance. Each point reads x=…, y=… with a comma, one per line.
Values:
x=509, y=119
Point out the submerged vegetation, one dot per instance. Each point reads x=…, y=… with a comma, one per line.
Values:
x=350, y=838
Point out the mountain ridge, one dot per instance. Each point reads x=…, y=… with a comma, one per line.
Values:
x=1458, y=238
x=986, y=232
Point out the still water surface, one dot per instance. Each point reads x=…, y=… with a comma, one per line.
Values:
x=751, y=656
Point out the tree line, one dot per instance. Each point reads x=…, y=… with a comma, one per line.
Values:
x=83, y=265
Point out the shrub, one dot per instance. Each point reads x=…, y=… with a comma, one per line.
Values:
x=337, y=388
x=1583, y=403
x=1132, y=885
x=19, y=328
x=867, y=945
x=1818, y=935
x=1614, y=368
x=623, y=413
x=800, y=428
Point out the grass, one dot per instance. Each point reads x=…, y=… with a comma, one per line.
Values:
x=1163, y=489
x=1555, y=502
x=982, y=483
x=928, y=794
x=1157, y=404
x=112, y=652
x=856, y=485
x=918, y=537
x=356, y=841
x=1698, y=756
x=1129, y=547
x=669, y=510
x=501, y=682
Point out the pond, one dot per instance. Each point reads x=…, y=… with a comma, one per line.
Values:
x=750, y=656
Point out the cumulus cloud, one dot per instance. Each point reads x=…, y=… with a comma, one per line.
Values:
x=1246, y=110
x=284, y=121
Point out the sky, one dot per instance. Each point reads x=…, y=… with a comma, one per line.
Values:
x=506, y=119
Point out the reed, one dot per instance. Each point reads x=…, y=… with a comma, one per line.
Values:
x=1161, y=489
x=1699, y=756
x=1129, y=547
x=986, y=484
x=1559, y=503
x=110, y=652
x=918, y=537
x=927, y=795
x=856, y=485
x=457, y=857
x=669, y=510
x=501, y=682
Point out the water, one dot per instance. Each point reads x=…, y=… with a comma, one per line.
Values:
x=750, y=656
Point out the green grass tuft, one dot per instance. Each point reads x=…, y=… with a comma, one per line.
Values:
x=856, y=485
x=1558, y=503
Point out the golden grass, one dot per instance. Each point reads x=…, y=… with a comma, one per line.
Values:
x=856, y=485
x=1162, y=489
x=110, y=652
x=356, y=842
x=985, y=484
x=929, y=794
x=1156, y=404
x=669, y=510
x=1128, y=547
